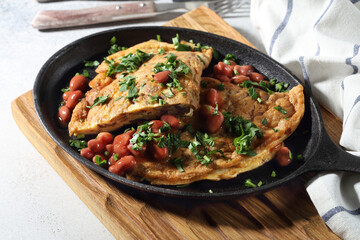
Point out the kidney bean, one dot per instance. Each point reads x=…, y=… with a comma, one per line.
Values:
x=73, y=99
x=206, y=110
x=96, y=146
x=222, y=78
x=66, y=95
x=219, y=68
x=105, y=137
x=244, y=69
x=124, y=139
x=158, y=153
x=121, y=150
x=110, y=149
x=237, y=79
x=123, y=165
x=256, y=77
x=228, y=70
x=214, y=122
x=283, y=157
x=64, y=115
x=213, y=97
x=162, y=77
x=170, y=119
x=87, y=153
x=78, y=82
x=137, y=153
x=156, y=125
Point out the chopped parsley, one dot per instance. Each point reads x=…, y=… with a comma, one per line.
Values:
x=129, y=63
x=100, y=162
x=236, y=72
x=259, y=183
x=280, y=109
x=229, y=57
x=249, y=183
x=290, y=154
x=179, y=46
x=273, y=174
x=211, y=191
x=118, y=98
x=158, y=38
x=161, y=51
x=270, y=87
x=178, y=163
x=65, y=89
x=114, y=47
x=200, y=147
x=199, y=47
x=299, y=157
x=129, y=84
x=216, y=110
x=176, y=67
x=78, y=144
x=202, y=83
x=245, y=130
x=252, y=93
x=275, y=130
x=116, y=157
x=264, y=121
x=99, y=100
x=202, y=60
x=172, y=140
x=143, y=135
x=156, y=99
x=85, y=73
x=91, y=63
x=170, y=94
x=220, y=87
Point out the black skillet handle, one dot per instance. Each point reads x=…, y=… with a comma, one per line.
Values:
x=330, y=157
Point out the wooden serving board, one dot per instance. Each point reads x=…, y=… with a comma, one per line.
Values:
x=283, y=213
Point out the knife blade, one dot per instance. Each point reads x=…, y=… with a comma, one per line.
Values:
x=50, y=19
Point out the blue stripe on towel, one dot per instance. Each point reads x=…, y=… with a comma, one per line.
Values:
x=348, y=62
x=355, y=102
x=317, y=22
x=329, y=214
x=305, y=74
x=281, y=26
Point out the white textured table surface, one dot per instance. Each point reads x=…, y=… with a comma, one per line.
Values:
x=35, y=203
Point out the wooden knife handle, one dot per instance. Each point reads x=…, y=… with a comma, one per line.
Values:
x=49, y=19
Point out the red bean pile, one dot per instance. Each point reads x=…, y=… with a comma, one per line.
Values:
x=226, y=73
x=77, y=85
x=118, y=152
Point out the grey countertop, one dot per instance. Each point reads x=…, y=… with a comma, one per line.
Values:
x=35, y=203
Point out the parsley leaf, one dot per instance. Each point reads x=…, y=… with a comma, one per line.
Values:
x=229, y=57
x=176, y=67
x=156, y=99
x=202, y=60
x=202, y=83
x=273, y=174
x=270, y=87
x=91, y=63
x=249, y=183
x=65, y=89
x=129, y=63
x=220, y=87
x=99, y=100
x=161, y=51
x=280, y=109
x=158, y=38
x=100, y=162
x=247, y=131
x=200, y=148
x=178, y=163
x=179, y=46
x=264, y=121
x=129, y=84
x=252, y=93
x=114, y=47
x=78, y=144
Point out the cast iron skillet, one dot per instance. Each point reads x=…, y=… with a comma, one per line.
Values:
x=310, y=139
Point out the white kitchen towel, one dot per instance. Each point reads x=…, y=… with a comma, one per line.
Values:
x=319, y=42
